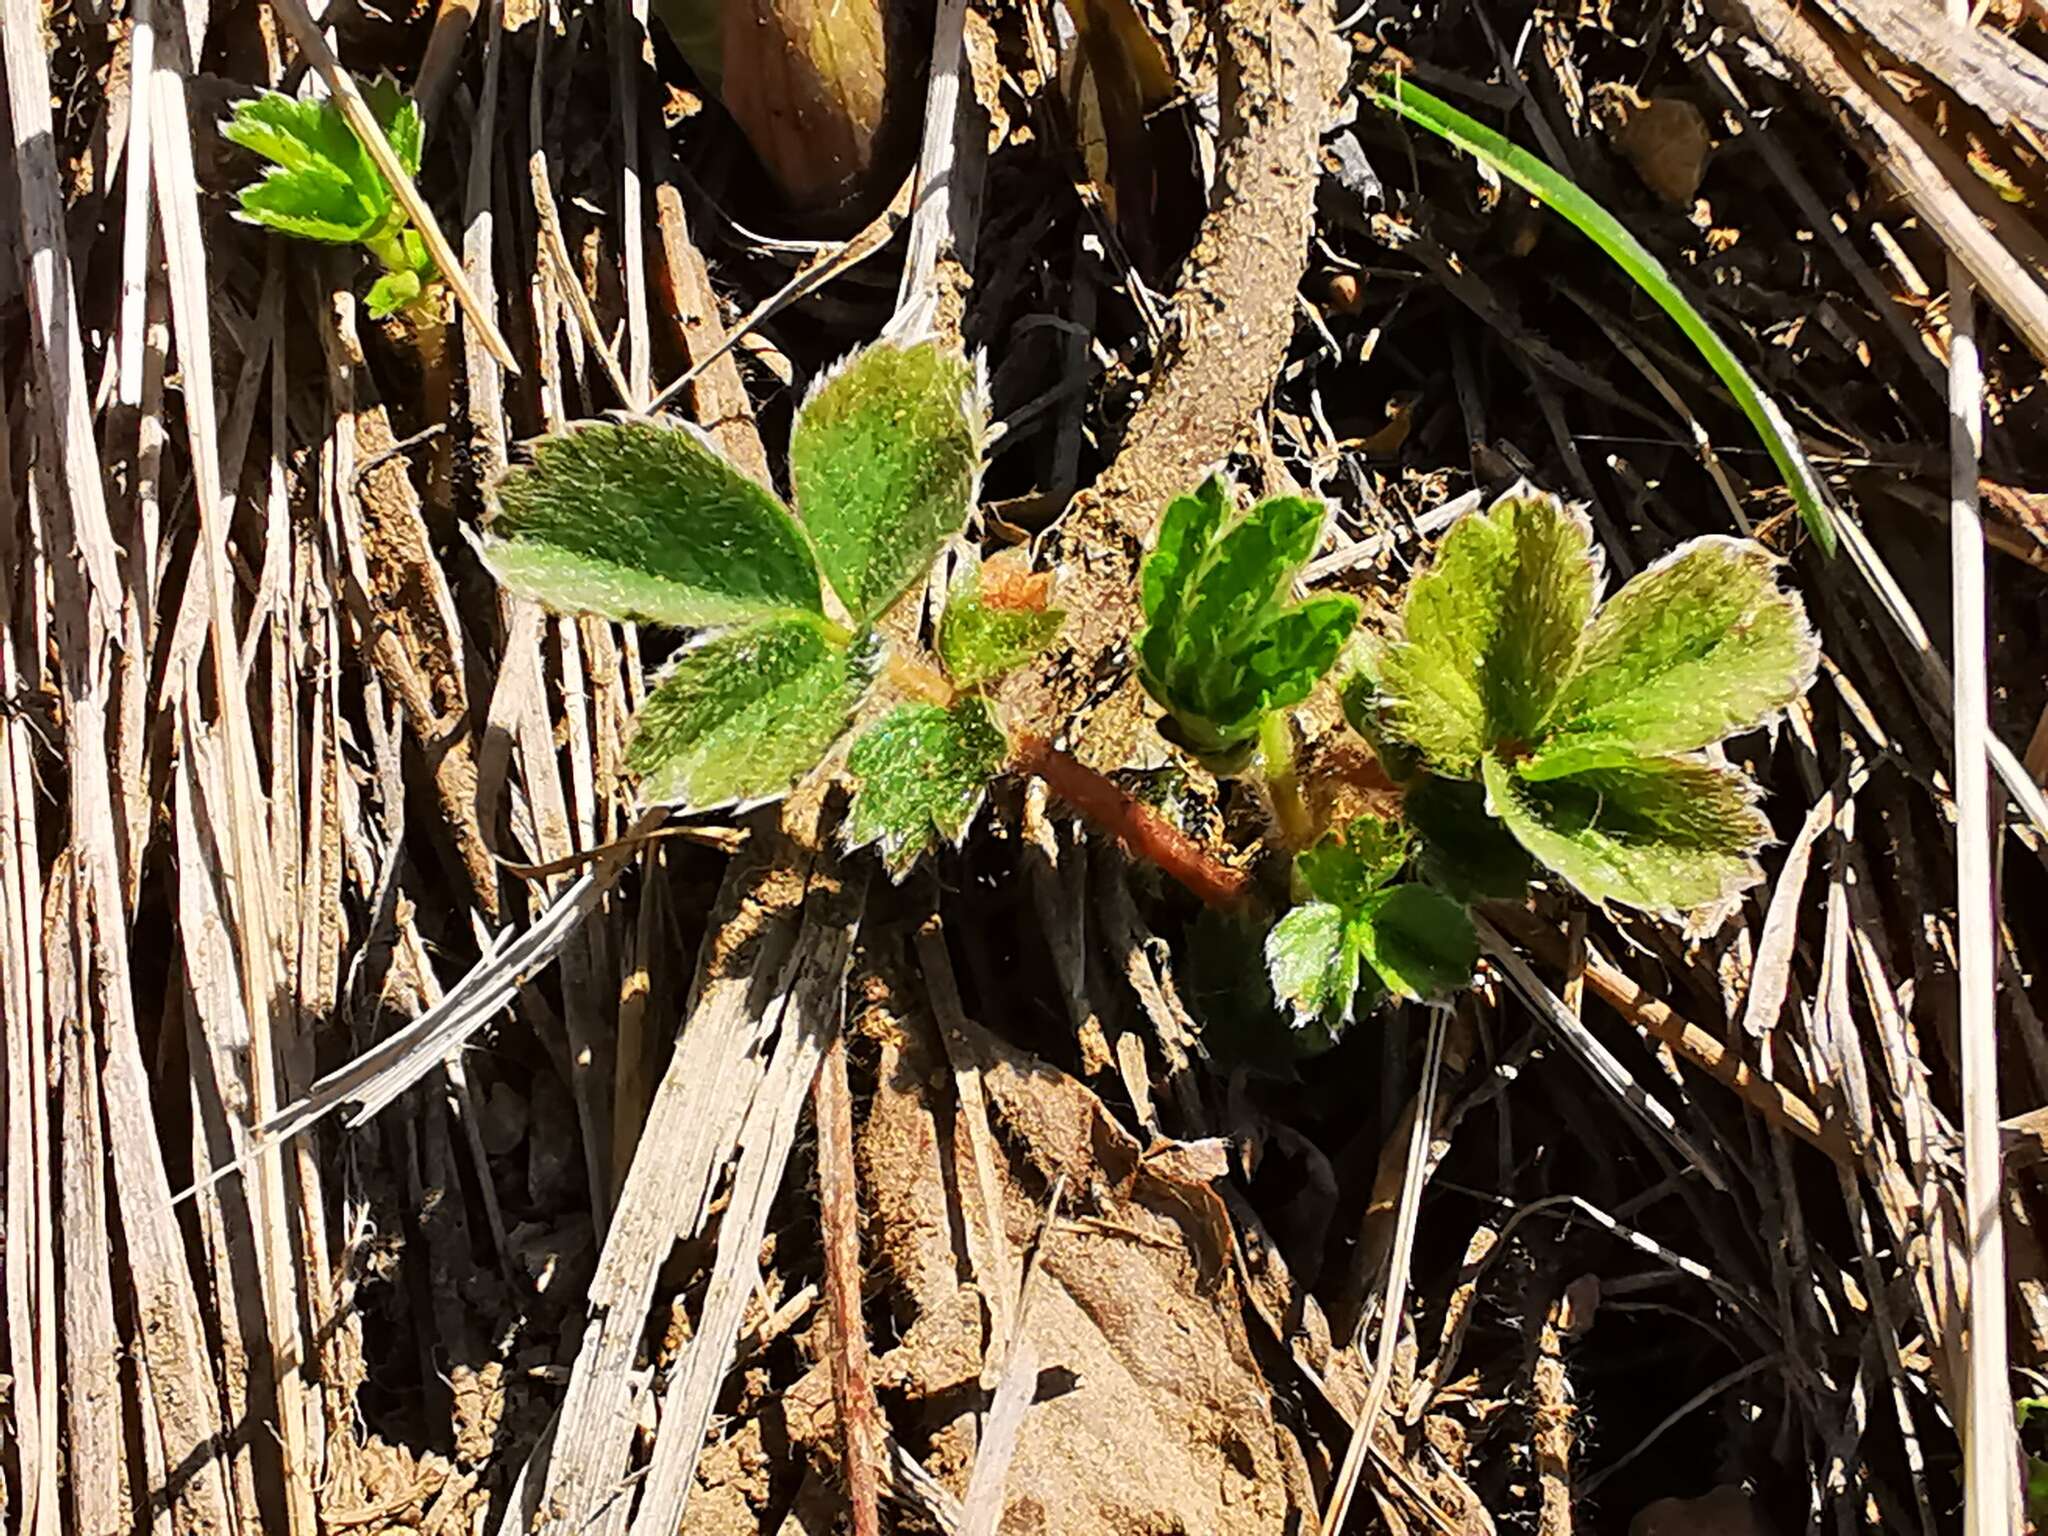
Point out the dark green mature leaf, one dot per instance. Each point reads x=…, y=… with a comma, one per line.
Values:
x=1223, y=981
x=1313, y=963
x=1490, y=632
x=1420, y=941
x=643, y=520
x=979, y=642
x=1285, y=659
x=923, y=772
x=1665, y=834
x=1348, y=870
x=1465, y=852
x=1702, y=645
x=744, y=714
x=1185, y=533
x=884, y=458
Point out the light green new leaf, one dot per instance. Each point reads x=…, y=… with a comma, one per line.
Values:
x=884, y=458
x=1347, y=871
x=1702, y=645
x=923, y=772
x=1312, y=961
x=296, y=134
x=323, y=184
x=1185, y=533
x=1560, y=192
x=644, y=520
x=742, y=716
x=317, y=203
x=1491, y=630
x=399, y=117
x=1666, y=834
x=979, y=643
x=1420, y=942
x=391, y=293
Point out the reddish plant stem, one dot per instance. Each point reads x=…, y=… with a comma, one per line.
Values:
x=1142, y=830
x=859, y=1415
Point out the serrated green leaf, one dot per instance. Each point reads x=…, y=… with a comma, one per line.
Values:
x=978, y=642
x=1224, y=983
x=922, y=773
x=1666, y=834
x=1313, y=964
x=741, y=716
x=1419, y=941
x=1245, y=575
x=316, y=203
x=1185, y=533
x=1360, y=697
x=1465, y=852
x=1702, y=645
x=296, y=134
x=1491, y=630
x=1282, y=663
x=391, y=293
x=645, y=520
x=1346, y=871
x=884, y=459
x=399, y=116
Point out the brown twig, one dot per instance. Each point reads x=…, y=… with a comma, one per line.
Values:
x=1142, y=830
x=859, y=1417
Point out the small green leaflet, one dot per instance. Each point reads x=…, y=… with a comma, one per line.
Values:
x=979, y=642
x=741, y=716
x=922, y=773
x=1666, y=834
x=322, y=184
x=1491, y=631
x=1406, y=939
x=1222, y=647
x=646, y=520
x=391, y=293
x=1700, y=646
x=884, y=458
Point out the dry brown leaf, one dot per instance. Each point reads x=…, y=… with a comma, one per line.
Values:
x=1665, y=138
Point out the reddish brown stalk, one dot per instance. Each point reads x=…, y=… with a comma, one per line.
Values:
x=859, y=1417
x=1142, y=830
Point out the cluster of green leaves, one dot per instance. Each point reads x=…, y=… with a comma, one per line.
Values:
x=645, y=520
x=1223, y=646
x=1359, y=934
x=1585, y=723
x=321, y=184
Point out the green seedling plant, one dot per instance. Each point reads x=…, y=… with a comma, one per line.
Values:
x=1522, y=724
x=322, y=185
x=647, y=521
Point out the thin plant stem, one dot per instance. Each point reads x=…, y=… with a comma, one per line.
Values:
x=1283, y=781
x=1142, y=830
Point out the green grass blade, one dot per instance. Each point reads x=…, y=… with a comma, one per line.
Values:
x=1559, y=192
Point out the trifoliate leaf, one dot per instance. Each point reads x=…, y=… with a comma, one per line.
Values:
x=979, y=641
x=644, y=520
x=1666, y=834
x=923, y=772
x=1345, y=871
x=1313, y=964
x=317, y=203
x=1702, y=645
x=744, y=714
x=1465, y=852
x=884, y=459
x=391, y=293
x=1190, y=524
x=1490, y=632
x=1420, y=942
